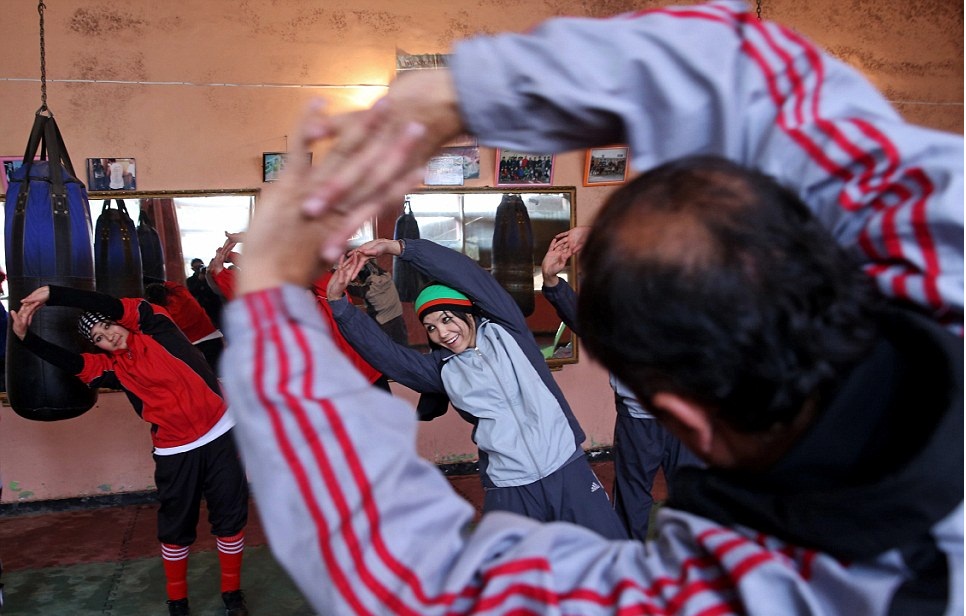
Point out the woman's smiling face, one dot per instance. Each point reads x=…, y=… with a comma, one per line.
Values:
x=450, y=331
x=109, y=336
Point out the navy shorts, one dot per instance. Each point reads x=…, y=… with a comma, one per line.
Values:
x=212, y=471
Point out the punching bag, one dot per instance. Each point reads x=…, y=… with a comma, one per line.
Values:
x=513, y=251
x=152, y=251
x=408, y=280
x=117, y=253
x=47, y=221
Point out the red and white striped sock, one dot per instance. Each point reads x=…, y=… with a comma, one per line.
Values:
x=230, y=551
x=175, y=559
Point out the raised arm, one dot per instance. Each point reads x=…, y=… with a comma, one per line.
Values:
x=462, y=273
x=402, y=364
x=555, y=289
x=93, y=301
x=711, y=79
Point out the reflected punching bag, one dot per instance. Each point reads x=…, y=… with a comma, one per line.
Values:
x=152, y=251
x=47, y=222
x=408, y=280
x=513, y=251
x=117, y=253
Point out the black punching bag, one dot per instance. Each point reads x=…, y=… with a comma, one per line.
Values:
x=408, y=280
x=47, y=221
x=152, y=250
x=117, y=253
x=513, y=251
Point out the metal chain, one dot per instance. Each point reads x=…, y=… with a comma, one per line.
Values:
x=43, y=59
x=758, y=9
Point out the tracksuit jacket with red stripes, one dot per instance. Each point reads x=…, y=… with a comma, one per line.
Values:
x=863, y=516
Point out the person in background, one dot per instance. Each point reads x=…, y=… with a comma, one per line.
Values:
x=641, y=444
x=220, y=272
x=172, y=387
x=198, y=286
x=320, y=288
x=3, y=336
x=820, y=495
x=190, y=317
x=376, y=288
x=483, y=357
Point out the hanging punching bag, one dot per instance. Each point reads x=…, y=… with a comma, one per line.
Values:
x=48, y=241
x=513, y=251
x=408, y=280
x=117, y=253
x=152, y=251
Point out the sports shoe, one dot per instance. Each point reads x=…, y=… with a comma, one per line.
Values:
x=234, y=603
x=178, y=608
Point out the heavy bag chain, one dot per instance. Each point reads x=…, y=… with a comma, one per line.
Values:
x=43, y=61
x=758, y=9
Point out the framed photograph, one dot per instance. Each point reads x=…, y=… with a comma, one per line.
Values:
x=444, y=170
x=111, y=174
x=523, y=168
x=470, y=156
x=605, y=166
x=274, y=162
x=10, y=164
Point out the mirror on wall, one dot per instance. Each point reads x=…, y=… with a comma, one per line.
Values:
x=466, y=220
x=200, y=218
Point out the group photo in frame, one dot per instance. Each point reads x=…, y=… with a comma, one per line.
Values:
x=523, y=168
x=111, y=174
x=274, y=162
x=605, y=166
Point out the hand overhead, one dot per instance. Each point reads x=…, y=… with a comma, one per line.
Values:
x=365, y=167
x=345, y=272
x=285, y=244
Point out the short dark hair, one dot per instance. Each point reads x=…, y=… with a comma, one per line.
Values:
x=713, y=282
x=157, y=294
x=197, y=260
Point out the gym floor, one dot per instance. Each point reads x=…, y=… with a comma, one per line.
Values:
x=106, y=561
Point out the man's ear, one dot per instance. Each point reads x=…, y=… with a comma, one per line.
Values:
x=687, y=420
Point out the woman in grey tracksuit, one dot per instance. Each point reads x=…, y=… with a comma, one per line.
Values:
x=531, y=461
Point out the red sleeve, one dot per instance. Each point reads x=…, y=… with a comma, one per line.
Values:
x=225, y=279
x=319, y=289
x=187, y=313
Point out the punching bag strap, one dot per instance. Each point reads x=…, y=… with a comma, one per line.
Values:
x=58, y=198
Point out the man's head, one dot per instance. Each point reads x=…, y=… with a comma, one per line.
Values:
x=103, y=332
x=197, y=264
x=446, y=315
x=714, y=294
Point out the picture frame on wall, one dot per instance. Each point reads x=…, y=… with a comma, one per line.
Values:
x=274, y=162
x=605, y=166
x=444, y=170
x=515, y=168
x=9, y=164
x=111, y=174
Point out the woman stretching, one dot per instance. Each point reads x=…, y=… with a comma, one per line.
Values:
x=485, y=360
x=172, y=387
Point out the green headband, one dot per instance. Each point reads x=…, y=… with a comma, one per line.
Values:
x=440, y=297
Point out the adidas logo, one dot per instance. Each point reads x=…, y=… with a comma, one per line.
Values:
x=594, y=487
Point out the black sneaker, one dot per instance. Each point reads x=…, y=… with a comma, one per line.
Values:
x=234, y=603
x=178, y=608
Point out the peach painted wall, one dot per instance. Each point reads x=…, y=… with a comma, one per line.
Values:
x=196, y=91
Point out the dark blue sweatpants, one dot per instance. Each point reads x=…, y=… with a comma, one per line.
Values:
x=572, y=493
